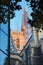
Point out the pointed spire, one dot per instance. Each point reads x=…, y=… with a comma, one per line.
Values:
x=23, y=24
x=25, y=18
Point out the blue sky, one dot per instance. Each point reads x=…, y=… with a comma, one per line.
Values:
x=16, y=22
x=3, y=42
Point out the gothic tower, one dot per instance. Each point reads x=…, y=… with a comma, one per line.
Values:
x=19, y=38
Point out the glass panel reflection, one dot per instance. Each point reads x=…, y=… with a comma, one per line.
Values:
x=2, y=58
x=3, y=43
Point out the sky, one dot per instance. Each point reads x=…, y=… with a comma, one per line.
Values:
x=3, y=42
x=15, y=23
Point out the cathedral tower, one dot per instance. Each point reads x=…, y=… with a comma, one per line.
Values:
x=19, y=38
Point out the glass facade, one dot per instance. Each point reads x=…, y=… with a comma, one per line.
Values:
x=3, y=42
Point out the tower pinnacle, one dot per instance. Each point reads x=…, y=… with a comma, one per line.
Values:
x=25, y=26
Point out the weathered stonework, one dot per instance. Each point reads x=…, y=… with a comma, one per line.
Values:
x=19, y=38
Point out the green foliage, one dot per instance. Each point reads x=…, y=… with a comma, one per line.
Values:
x=37, y=14
x=8, y=5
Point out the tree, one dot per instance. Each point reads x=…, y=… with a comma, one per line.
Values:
x=36, y=23
x=37, y=14
x=7, y=8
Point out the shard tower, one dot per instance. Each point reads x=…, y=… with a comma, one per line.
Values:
x=28, y=27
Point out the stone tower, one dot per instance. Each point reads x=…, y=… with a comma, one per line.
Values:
x=19, y=37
